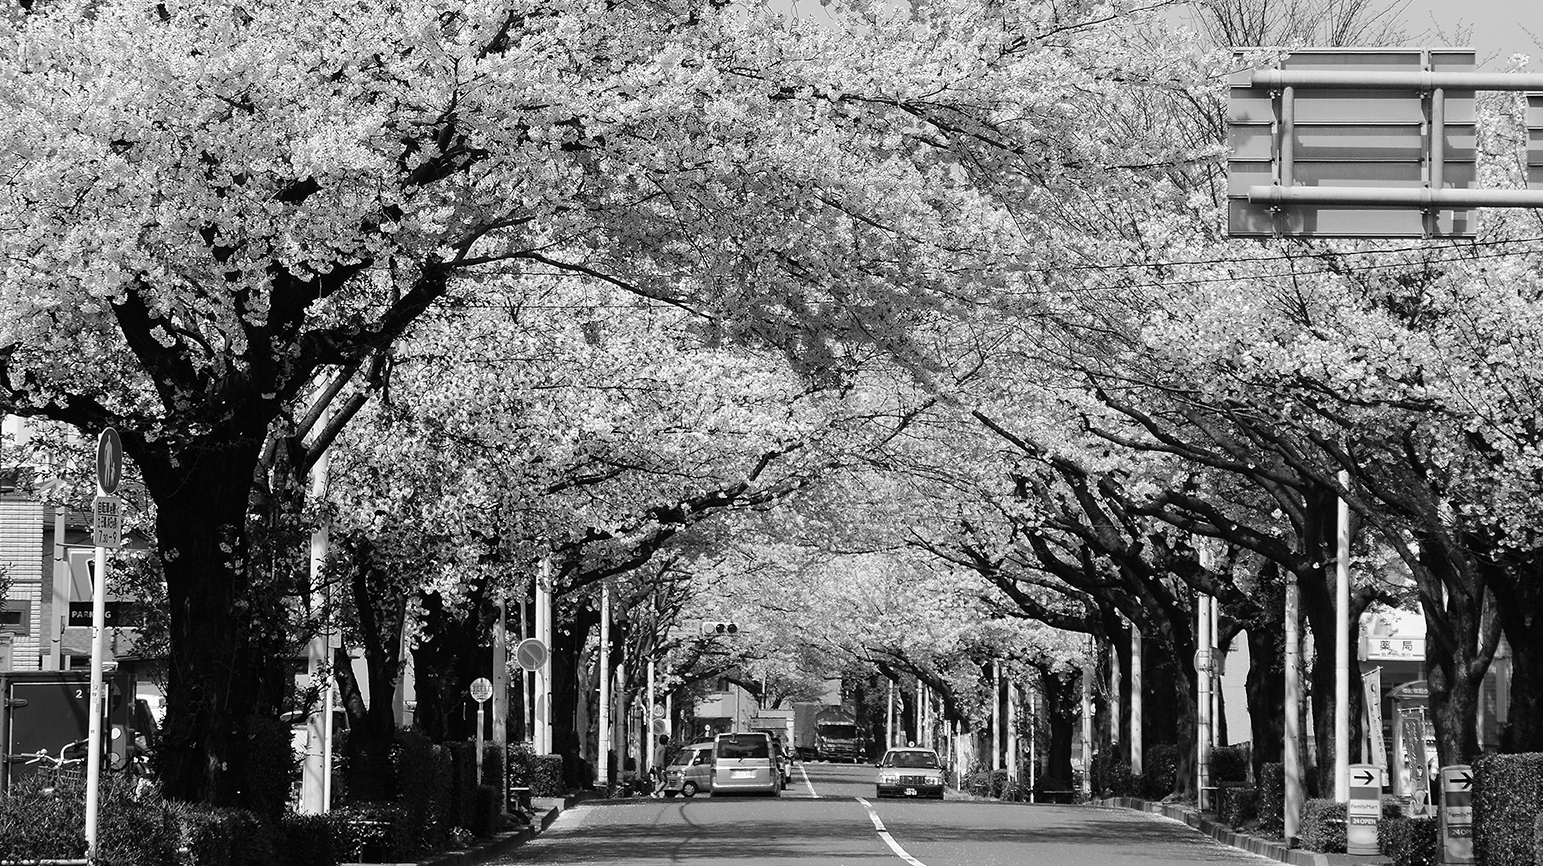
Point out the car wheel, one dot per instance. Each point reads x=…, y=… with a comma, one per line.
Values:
x=688, y=790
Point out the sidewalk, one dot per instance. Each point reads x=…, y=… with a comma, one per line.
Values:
x=1242, y=841
x=544, y=810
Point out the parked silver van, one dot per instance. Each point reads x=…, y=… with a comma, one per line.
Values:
x=691, y=771
x=743, y=763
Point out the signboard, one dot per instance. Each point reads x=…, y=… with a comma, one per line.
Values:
x=1202, y=661
x=530, y=654
x=1319, y=138
x=1372, y=700
x=481, y=689
x=1457, y=814
x=106, y=521
x=117, y=614
x=1363, y=809
x=1394, y=648
x=109, y=461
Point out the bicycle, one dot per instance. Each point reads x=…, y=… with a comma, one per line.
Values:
x=54, y=771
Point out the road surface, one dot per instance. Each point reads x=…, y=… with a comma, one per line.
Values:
x=830, y=817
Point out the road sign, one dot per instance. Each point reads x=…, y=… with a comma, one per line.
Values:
x=481, y=689
x=1363, y=810
x=106, y=522
x=1457, y=814
x=109, y=460
x=1202, y=661
x=530, y=653
x=658, y=711
x=1316, y=139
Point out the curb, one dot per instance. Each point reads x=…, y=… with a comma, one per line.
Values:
x=1227, y=836
x=503, y=843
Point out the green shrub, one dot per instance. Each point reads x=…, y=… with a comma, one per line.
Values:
x=546, y=777
x=484, y=821
x=1272, y=800
x=1323, y=826
x=1537, y=839
x=576, y=774
x=443, y=780
x=413, y=769
x=1160, y=771
x=268, y=763
x=1409, y=841
x=42, y=819
x=1112, y=776
x=977, y=782
x=1507, y=793
x=1237, y=806
x=519, y=760
x=1229, y=764
x=224, y=837
x=463, y=790
x=493, y=772
x=373, y=833
x=308, y=840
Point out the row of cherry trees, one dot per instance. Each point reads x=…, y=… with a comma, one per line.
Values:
x=647, y=294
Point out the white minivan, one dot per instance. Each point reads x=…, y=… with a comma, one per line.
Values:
x=743, y=763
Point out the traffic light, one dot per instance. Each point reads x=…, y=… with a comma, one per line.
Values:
x=711, y=627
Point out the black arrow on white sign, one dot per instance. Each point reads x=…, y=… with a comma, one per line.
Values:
x=1365, y=777
x=1464, y=779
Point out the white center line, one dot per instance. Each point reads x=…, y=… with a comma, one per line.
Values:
x=888, y=839
x=805, y=774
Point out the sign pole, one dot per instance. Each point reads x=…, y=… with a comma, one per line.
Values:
x=1292, y=757
x=107, y=532
x=481, y=690
x=1342, y=650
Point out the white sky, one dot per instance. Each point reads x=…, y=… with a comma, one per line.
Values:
x=1495, y=28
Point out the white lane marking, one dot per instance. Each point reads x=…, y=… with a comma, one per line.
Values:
x=805, y=774
x=888, y=839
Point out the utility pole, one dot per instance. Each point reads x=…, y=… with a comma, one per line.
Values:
x=996, y=715
x=1137, y=723
x=1292, y=758
x=603, y=731
x=1203, y=696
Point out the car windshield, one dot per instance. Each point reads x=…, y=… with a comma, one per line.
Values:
x=911, y=759
x=749, y=747
x=844, y=732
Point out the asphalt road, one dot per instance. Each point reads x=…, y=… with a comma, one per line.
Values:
x=830, y=817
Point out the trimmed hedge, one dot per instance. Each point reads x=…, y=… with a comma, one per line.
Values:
x=1237, y=806
x=1537, y=839
x=42, y=820
x=1507, y=794
x=308, y=840
x=542, y=774
x=225, y=837
x=1323, y=826
x=484, y=818
x=1112, y=776
x=1272, y=800
x=1160, y=770
x=1229, y=764
x=1409, y=841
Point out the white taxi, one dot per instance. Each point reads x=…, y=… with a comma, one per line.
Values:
x=910, y=772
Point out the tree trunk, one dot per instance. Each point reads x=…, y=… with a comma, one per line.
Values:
x=1063, y=710
x=1266, y=690
x=1519, y=592
x=227, y=642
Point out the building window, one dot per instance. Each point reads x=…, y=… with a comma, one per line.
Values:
x=16, y=616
